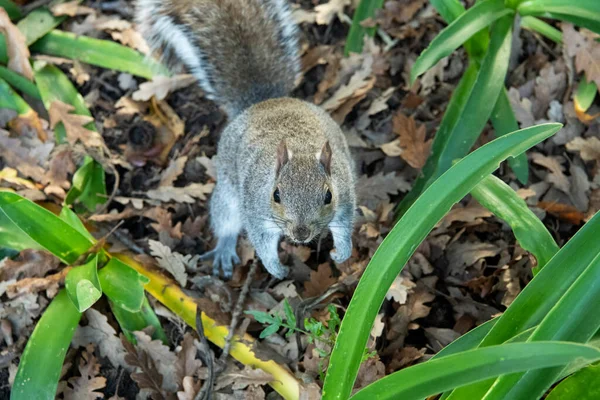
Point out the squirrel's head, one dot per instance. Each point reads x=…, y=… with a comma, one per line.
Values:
x=303, y=199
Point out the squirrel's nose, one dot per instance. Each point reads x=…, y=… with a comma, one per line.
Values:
x=301, y=232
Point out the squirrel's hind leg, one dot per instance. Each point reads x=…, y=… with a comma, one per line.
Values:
x=226, y=223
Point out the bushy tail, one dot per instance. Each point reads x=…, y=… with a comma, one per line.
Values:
x=241, y=51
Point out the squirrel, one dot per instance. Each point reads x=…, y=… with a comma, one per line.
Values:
x=283, y=165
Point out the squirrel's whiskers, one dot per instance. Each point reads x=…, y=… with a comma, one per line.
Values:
x=283, y=165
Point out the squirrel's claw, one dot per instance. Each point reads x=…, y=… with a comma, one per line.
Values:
x=223, y=258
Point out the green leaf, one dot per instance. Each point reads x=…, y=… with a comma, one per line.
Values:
x=137, y=321
x=365, y=10
x=583, y=385
x=454, y=35
x=531, y=233
x=541, y=294
x=574, y=318
x=504, y=121
x=123, y=285
x=468, y=341
x=102, y=53
x=537, y=25
x=39, y=22
x=41, y=362
x=19, y=82
x=83, y=286
x=467, y=112
x=42, y=227
x=585, y=13
x=289, y=313
x=13, y=10
x=268, y=331
x=53, y=85
x=585, y=94
x=448, y=372
x=88, y=186
x=11, y=100
x=262, y=317
x=67, y=215
x=401, y=242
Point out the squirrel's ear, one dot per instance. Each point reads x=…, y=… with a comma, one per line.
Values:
x=283, y=155
x=325, y=157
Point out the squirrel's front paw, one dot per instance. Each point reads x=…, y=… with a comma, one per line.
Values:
x=222, y=259
x=341, y=253
x=277, y=270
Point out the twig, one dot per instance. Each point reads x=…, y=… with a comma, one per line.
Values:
x=237, y=311
x=205, y=393
x=127, y=241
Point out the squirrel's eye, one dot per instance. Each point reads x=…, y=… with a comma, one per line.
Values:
x=276, y=197
x=328, y=197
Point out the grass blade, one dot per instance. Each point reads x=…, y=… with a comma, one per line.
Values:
x=42, y=359
x=19, y=82
x=467, y=112
x=540, y=295
x=137, y=321
x=537, y=25
x=10, y=99
x=583, y=385
x=585, y=13
x=89, y=186
x=504, y=121
x=102, y=53
x=13, y=10
x=366, y=9
x=531, y=233
x=83, y=286
x=454, y=35
x=401, y=242
x=43, y=227
x=445, y=373
x=574, y=318
x=123, y=285
x=39, y=22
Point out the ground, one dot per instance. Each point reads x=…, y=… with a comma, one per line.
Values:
x=468, y=270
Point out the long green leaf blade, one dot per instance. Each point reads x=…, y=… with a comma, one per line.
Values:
x=463, y=123
x=13, y=10
x=83, y=286
x=123, y=285
x=102, y=53
x=137, y=321
x=43, y=227
x=531, y=233
x=585, y=13
x=41, y=362
x=366, y=9
x=445, y=373
x=504, y=121
x=401, y=242
x=540, y=295
x=454, y=35
x=537, y=25
x=38, y=23
x=574, y=318
x=583, y=385
x=19, y=82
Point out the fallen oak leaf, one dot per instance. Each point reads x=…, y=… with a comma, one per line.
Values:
x=29, y=263
x=84, y=387
x=583, y=46
x=18, y=52
x=589, y=148
x=185, y=194
x=415, y=148
x=172, y=262
x=324, y=13
x=563, y=211
x=320, y=281
x=71, y=9
x=160, y=86
x=74, y=124
x=172, y=172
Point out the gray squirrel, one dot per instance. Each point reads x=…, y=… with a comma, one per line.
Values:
x=283, y=165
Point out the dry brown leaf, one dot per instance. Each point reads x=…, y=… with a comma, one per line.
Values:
x=186, y=194
x=147, y=376
x=415, y=148
x=172, y=262
x=172, y=172
x=74, y=124
x=240, y=379
x=372, y=190
x=99, y=332
x=57, y=175
x=320, y=281
x=49, y=283
x=190, y=389
x=400, y=289
x=85, y=387
x=70, y=8
x=11, y=176
x=589, y=148
x=324, y=13
x=16, y=47
x=522, y=108
x=565, y=212
x=21, y=311
x=555, y=175
x=160, y=86
x=187, y=364
x=163, y=358
x=28, y=264
x=583, y=46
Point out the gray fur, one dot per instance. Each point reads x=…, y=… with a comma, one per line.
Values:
x=244, y=54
